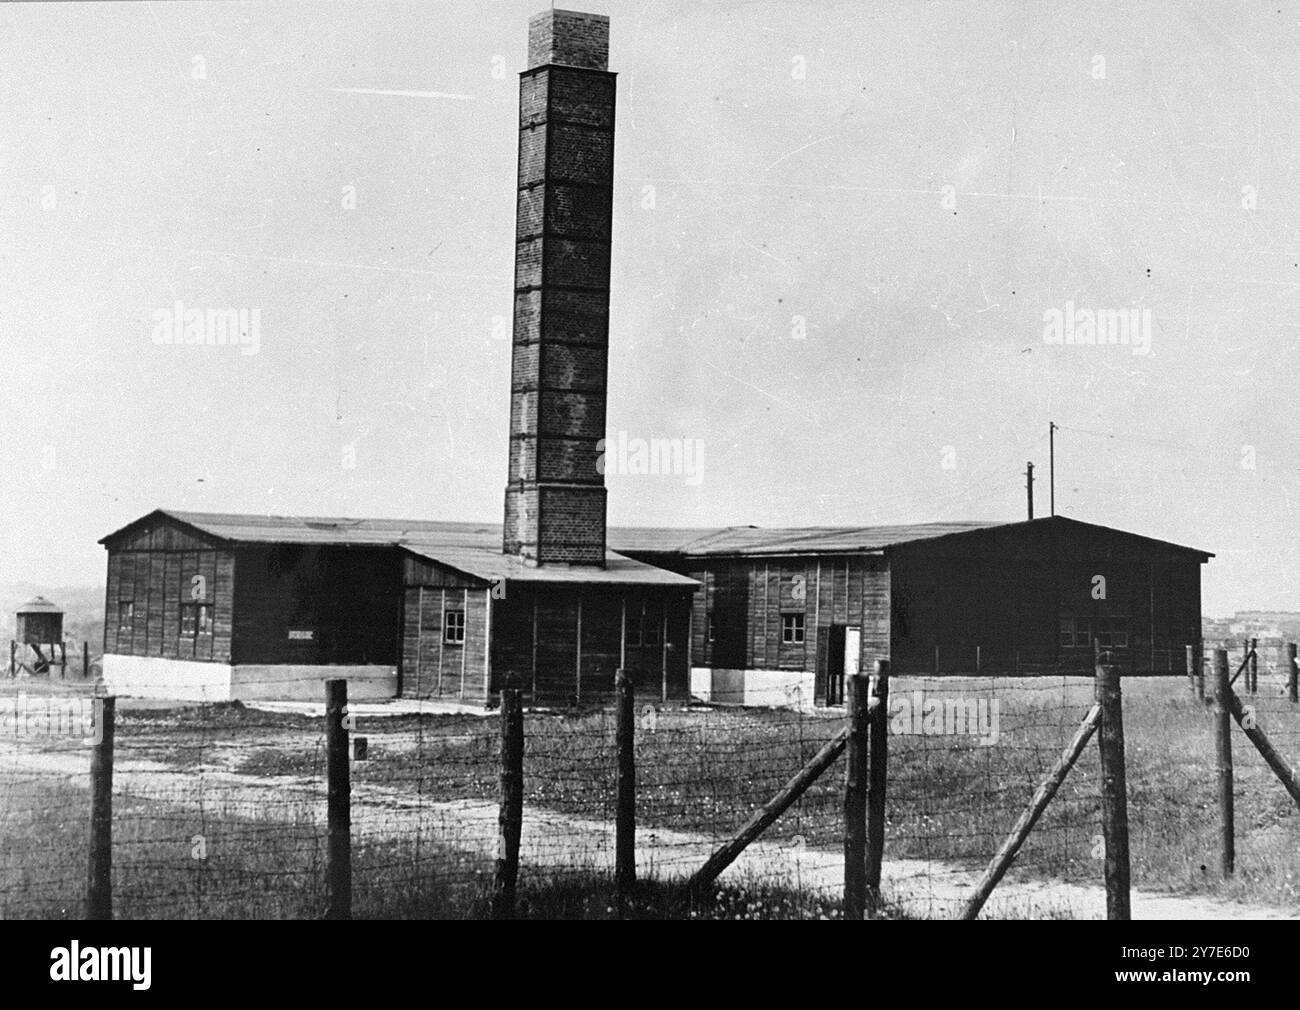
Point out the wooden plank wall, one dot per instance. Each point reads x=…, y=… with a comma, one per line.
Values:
x=725, y=589
x=753, y=593
x=602, y=628
x=535, y=635
x=1005, y=592
x=512, y=636
x=350, y=597
x=159, y=581
x=432, y=667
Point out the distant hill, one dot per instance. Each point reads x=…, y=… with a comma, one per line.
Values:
x=83, y=610
x=1262, y=624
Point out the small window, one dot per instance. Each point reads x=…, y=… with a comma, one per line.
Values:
x=1119, y=632
x=792, y=629
x=710, y=628
x=453, y=627
x=196, y=619
x=1076, y=632
x=1112, y=632
x=125, y=616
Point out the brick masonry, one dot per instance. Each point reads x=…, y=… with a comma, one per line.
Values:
x=555, y=497
x=568, y=37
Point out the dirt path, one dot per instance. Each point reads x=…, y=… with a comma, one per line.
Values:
x=550, y=839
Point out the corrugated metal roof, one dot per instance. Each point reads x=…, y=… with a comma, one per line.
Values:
x=472, y=548
x=332, y=530
x=489, y=563
x=750, y=540
x=475, y=548
x=825, y=539
x=660, y=539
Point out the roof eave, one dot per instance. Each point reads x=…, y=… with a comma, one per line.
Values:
x=164, y=513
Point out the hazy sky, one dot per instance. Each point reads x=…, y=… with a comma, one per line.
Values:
x=781, y=169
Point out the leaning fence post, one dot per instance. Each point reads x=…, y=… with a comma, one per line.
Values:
x=763, y=818
x=338, y=873
x=1114, y=790
x=1223, y=753
x=1293, y=673
x=625, y=824
x=510, y=819
x=99, y=889
x=1038, y=803
x=855, y=796
x=878, y=776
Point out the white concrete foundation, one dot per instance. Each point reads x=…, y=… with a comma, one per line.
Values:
x=192, y=680
x=758, y=688
x=306, y=683
x=159, y=677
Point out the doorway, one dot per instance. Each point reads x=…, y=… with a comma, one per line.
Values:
x=843, y=659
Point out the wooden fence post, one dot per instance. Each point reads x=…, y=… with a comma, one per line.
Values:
x=1254, y=666
x=99, y=888
x=510, y=820
x=878, y=776
x=1200, y=672
x=625, y=824
x=338, y=871
x=1223, y=753
x=856, y=752
x=1293, y=673
x=1114, y=790
x=1191, y=669
x=85, y=660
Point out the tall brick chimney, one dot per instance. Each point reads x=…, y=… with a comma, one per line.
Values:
x=555, y=498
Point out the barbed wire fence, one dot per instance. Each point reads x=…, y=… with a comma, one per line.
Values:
x=223, y=811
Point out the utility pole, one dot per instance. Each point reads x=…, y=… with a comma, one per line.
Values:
x=1029, y=487
x=1051, y=463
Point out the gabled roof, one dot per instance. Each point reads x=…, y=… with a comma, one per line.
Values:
x=475, y=548
x=751, y=541
x=663, y=539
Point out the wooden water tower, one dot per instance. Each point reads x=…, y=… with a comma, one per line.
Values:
x=39, y=627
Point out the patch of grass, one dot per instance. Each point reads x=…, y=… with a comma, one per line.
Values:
x=704, y=772
x=172, y=864
x=587, y=895
x=175, y=863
